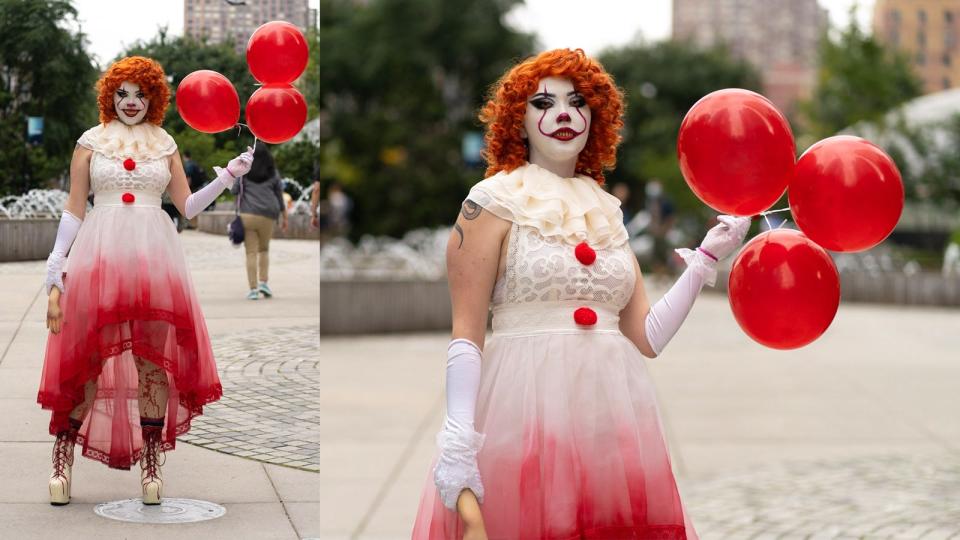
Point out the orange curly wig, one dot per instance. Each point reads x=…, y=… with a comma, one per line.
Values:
x=507, y=102
x=137, y=69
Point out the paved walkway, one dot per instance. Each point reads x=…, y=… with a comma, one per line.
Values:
x=854, y=436
x=260, y=438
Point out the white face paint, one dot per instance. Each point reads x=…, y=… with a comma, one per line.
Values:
x=131, y=104
x=557, y=124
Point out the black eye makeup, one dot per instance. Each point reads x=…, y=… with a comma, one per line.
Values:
x=578, y=101
x=122, y=93
x=542, y=103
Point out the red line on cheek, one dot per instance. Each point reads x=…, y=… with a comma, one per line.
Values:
x=542, y=116
x=584, y=119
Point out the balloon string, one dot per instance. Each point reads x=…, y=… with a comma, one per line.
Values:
x=251, y=132
x=768, y=212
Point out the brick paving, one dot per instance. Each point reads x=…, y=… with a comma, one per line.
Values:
x=890, y=497
x=270, y=409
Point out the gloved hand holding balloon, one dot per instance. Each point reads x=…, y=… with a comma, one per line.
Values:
x=737, y=154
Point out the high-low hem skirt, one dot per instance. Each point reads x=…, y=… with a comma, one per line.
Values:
x=127, y=294
x=574, y=446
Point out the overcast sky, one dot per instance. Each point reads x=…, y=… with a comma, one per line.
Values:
x=111, y=26
x=558, y=23
x=570, y=23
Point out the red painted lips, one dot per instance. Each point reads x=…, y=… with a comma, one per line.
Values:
x=564, y=134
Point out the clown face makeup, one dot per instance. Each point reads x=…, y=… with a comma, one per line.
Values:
x=131, y=103
x=556, y=124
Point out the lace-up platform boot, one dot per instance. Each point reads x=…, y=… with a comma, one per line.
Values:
x=151, y=460
x=62, y=462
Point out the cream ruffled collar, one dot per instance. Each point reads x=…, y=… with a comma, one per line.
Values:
x=117, y=140
x=576, y=209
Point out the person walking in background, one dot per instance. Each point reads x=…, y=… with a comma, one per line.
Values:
x=662, y=219
x=339, y=205
x=315, y=204
x=197, y=179
x=260, y=205
x=195, y=174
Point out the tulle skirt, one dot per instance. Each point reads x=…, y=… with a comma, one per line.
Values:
x=574, y=447
x=127, y=294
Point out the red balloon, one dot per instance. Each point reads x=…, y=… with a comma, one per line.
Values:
x=276, y=112
x=847, y=194
x=784, y=289
x=277, y=53
x=208, y=102
x=736, y=151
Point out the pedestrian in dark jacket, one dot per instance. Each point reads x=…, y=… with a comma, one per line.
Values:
x=260, y=206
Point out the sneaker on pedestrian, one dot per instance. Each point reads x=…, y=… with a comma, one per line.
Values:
x=253, y=295
x=265, y=290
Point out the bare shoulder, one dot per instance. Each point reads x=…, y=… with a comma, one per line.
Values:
x=82, y=152
x=476, y=222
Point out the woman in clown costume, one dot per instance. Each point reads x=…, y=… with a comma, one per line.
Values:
x=552, y=428
x=128, y=361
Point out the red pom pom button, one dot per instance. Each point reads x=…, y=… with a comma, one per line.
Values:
x=129, y=164
x=585, y=254
x=585, y=316
x=128, y=198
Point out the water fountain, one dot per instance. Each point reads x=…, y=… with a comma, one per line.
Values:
x=28, y=223
x=34, y=204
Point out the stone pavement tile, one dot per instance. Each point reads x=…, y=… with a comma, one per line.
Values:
x=293, y=485
x=704, y=461
x=270, y=405
x=344, y=503
x=883, y=496
x=7, y=331
x=788, y=420
x=189, y=472
x=397, y=511
x=305, y=517
x=27, y=350
x=262, y=521
x=23, y=420
x=12, y=383
x=361, y=460
x=17, y=299
x=395, y=515
x=221, y=326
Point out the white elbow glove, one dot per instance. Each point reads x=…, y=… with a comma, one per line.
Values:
x=666, y=316
x=66, y=233
x=459, y=444
x=237, y=167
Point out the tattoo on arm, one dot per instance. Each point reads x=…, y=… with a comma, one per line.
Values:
x=459, y=230
x=470, y=210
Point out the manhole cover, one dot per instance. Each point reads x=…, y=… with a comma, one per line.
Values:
x=168, y=511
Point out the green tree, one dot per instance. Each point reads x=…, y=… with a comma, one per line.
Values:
x=44, y=71
x=311, y=76
x=858, y=79
x=661, y=82
x=400, y=85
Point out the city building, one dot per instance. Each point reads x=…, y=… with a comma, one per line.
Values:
x=778, y=37
x=927, y=31
x=220, y=20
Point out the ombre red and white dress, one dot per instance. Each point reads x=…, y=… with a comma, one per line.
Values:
x=574, y=446
x=127, y=294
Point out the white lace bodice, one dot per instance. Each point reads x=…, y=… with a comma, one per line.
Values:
x=546, y=270
x=109, y=174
